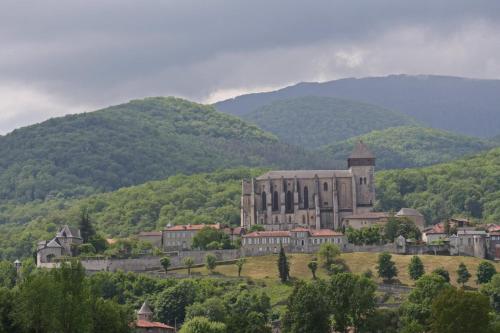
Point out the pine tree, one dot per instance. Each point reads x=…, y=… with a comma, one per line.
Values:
x=463, y=274
x=86, y=229
x=283, y=266
x=416, y=268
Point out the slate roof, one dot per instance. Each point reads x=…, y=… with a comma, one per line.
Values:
x=290, y=174
x=361, y=151
x=53, y=243
x=145, y=309
x=192, y=227
x=408, y=212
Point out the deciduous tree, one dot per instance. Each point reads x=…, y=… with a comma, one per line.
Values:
x=463, y=274
x=485, y=272
x=416, y=268
x=386, y=267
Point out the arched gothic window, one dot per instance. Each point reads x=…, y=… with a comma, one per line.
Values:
x=325, y=186
x=306, y=197
x=264, y=201
x=275, y=201
x=289, y=202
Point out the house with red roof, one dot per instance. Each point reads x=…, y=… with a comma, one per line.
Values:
x=144, y=323
x=180, y=237
x=435, y=233
x=295, y=240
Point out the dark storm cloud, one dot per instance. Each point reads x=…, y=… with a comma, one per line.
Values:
x=66, y=56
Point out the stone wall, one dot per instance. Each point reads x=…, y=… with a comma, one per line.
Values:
x=145, y=264
x=392, y=248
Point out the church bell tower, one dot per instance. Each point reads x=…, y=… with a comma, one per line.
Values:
x=361, y=162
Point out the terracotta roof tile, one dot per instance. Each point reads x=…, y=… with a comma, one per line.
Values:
x=268, y=234
x=151, y=324
x=192, y=227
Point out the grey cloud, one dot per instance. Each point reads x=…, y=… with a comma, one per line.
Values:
x=87, y=54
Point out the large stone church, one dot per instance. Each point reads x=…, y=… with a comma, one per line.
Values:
x=317, y=199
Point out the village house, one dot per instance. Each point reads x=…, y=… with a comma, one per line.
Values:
x=144, y=323
x=469, y=242
x=434, y=234
x=153, y=237
x=64, y=244
x=295, y=240
x=414, y=215
x=364, y=220
x=180, y=237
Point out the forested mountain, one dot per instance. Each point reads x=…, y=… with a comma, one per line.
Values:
x=469, y=186
x=314, y=121
x=130, y=144
x=411, y=146
x=467, y=106
x=200, y=198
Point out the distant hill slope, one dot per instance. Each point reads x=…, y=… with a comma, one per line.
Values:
x=469, y=187
x=467, y=106
x=411, y=146
x=314, y=121
x=132, y=143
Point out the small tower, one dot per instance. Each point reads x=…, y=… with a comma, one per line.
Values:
x=361, y=162
x=145, y=312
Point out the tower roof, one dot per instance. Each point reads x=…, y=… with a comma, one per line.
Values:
x=145, y=309
x=361, y=151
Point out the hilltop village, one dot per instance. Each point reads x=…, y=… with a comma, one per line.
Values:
x=297, y=210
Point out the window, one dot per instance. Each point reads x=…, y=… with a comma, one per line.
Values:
x=289, y=202
x=303, y=219
x=275, y=201
x=276, y=219
x=264, y=201
x=306, y=197
x=364, y=180
x=325, y=186
x=360, y=180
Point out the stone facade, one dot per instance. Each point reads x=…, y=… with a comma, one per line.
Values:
x=153, y=237
x=180, y=237
x=318, y=199
x=295, y=240
x=62, y=245
x=359, y=221
x=414, y=215
x=469, y=243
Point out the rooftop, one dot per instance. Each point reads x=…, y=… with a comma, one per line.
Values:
x=361, y=151
x=369, y=215
x=408, y=212
x=192, y=227
x=280, y=233
x=151, y=324
x=305, y=174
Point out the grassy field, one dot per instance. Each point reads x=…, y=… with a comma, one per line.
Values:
x=265, y=268
x=264, y=272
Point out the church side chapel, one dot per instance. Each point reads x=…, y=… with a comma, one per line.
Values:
x=313, y=199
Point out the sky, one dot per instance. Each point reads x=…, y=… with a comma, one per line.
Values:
x=62, y=57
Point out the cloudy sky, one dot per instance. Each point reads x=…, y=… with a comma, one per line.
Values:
x=60, y=57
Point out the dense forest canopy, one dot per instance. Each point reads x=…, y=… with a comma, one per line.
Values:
x=411, y=146
x=314, y=121
x=460, y=105
x=469, y=186
x=130, y=144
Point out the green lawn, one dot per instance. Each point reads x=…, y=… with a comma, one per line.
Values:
x=264, y=272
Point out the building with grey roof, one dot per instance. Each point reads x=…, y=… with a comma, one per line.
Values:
x=318, y=199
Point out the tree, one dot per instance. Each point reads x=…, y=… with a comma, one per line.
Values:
x=257, y=227
x=110, y=317
x=202, y=325
x=416, y=268
x=386, y=267
x=313, y=266
x=170, y=304
x=328, y=252
x=352, y=298
x=8, y=274
x=485, y=272
x=239, y=263
x=210, y=262
x=212, y=308
x=283, y=266
x=307, y=309
x=207, y=236
x=416, y=310
x=85, y=224
x=463, y=274
x=460, y=311
x=247, y=312
x=442, y=272
x=165, y=263
x=492, y=290
x=188, y=262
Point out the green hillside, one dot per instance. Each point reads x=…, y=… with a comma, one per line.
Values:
x=130, y=144
x=180, y=199
x=411, y=146
x=469, y=187
x=316, y=121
